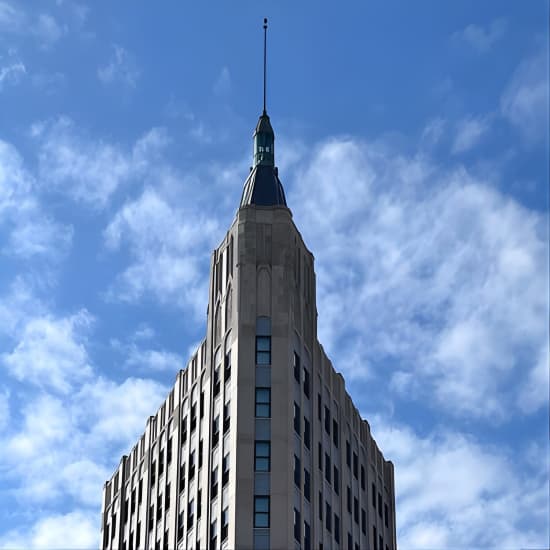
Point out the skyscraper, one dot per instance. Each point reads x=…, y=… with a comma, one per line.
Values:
x=258, y=444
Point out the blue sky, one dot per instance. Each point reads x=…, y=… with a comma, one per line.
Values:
x=412, y=141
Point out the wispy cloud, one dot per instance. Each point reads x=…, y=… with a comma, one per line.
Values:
x=88, y=170
x=31, y=232
x=524, y=103
x=448, y=484
x=222, y=86
x=50, y=352
x=430, y=268
x=10, y=74
x=169, y=244
x=121, y=67
x=481, y=39
x=469, y=133
x=42, y=27
x=77, y=529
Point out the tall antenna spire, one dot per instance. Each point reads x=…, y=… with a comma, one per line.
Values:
x=265, y=59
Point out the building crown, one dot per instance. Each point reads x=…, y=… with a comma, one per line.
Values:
x=263, y=187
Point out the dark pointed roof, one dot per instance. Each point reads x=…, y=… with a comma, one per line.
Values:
x=263, y=187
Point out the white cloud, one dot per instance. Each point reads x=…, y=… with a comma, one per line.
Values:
x=448, y=485
x=524, y=102
x=222, y=85
x=534, y=391
x=439, y=276
x=153, y=360
x=77, y=529
x=4, y=409
x=91, y=171
x=42, y=27
x=51, y=352
x=121, y=67
x=10, y=74
x=469, y=132
x=31, y=232
x=169, y=245
x=479, y=38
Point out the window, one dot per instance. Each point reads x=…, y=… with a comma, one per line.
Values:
x=169, y=451
x=348, y=454
x=350, y=542
x=226, y=417
x=200, y=453
x=307, y=433
x=151, y=516
x=199, y=503
x=190, y=513
x=217, y=382
x=192, y=465
x=153, y=472
x=167, y=497
x=181, y=526
x=213, y=534
x=261, y=512
x=138, y=534
x=355, y=463
x=165, y=541
x=320, y=456
x=225, y=523
x=336, y=481
x=363, y=521
x=296, y=367
x=362, y=477
x=319, y=406
x=327, y=467
x=380, y=542
x=374, y=496
x=320, y=506
x=356, y=510
x=306, y=383
x=263, y=402
x=159, y=507
x=336, y=528
x=214, y=483
x=133, y=505
x=328, y=517
x=125, y=513
x=263, y=350
x=182, y=477
x=335, y=433
x=375, y=538
x=327, y=420
x=348, y=499
x=379, y=504
x=307, y=536
x=297, y=418
x=262, y=456
x=215, y=431
x=307, y=485
x=161, y=462
x=225, y=470
x=297, y=468
x=193, y=417
x=227, y=367
x=386, y=516
x=201, y=404
x=140, y=491
x=297, y=524
x=184, y=430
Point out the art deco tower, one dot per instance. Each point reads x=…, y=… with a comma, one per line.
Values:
x=258, y=445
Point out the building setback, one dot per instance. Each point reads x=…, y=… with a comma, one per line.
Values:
x=258, y=445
